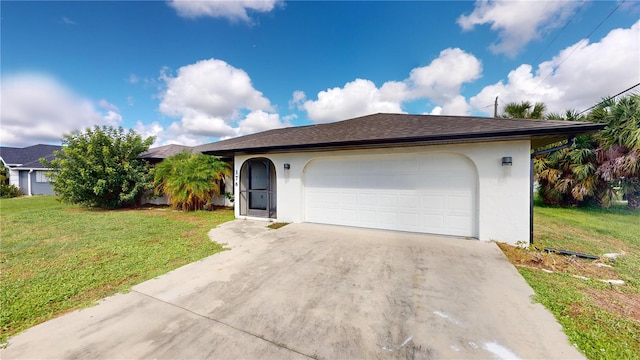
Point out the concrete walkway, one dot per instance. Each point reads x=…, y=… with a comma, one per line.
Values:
x=314, y=291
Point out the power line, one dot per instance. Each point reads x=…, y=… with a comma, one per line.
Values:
x=580, y=42
x=480, y=108
x=560, y=32
x=609, y=98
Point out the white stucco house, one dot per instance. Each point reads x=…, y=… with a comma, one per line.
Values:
x=450, y=175
x=25, y=169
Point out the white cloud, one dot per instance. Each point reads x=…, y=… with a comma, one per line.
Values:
x=297, y=99
x=359, y=97
x=436, y=111
x=153, y=129
x=445, y=75
x=257, y=121
x=517, y=22
x=233, y=10
x=210, y=87
x=287, y=119
x=192, y=133
x=576, y=78
x=440, y=81
x=211, y=96
x=36, y=108
x=103, y=103
x=168, y=136
x=112, y=118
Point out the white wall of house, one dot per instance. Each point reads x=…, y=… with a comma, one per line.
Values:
x=222, y=200
x=14, y=178
x=502, y=194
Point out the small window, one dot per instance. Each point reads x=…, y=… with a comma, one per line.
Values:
x=41, y=177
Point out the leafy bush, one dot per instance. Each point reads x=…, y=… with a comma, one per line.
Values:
x=100, y=168
x=9, y=191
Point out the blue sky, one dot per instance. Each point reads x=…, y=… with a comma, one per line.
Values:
x=192, y=72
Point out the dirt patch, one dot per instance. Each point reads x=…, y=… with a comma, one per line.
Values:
x=595, y=269
x=624, y=304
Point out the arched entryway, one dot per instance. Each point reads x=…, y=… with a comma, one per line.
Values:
x=258, y=188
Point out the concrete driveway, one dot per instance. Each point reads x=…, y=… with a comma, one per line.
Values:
x=315, y=291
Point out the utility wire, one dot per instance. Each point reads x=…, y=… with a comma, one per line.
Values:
x=580, y=42
x=560, y=32
x=480, y=108
x=609, y=98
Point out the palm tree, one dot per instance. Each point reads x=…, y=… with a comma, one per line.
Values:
x=190, y=180
x=619, y=152
x=524, y=110
x=568, y=177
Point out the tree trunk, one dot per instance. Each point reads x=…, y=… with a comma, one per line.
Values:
x=633, y=200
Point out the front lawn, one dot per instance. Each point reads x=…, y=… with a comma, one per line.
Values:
x=602, y=319
x=55, y=257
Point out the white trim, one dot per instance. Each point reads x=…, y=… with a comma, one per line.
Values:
x=39, y=169
x=14, y=177
x=29, y=182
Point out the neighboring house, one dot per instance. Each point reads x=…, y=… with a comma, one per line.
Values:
x=156, y=155
x=450, y=175
x=25, y=170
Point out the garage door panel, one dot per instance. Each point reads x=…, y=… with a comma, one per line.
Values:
x=407, y=201
x=347, y=216
x=367, y=217
x=388, y=218
x=432, y=202
x=434, y=222
x=388, y=201
x=422, y=193
x=348, y=199
x=459, y=202
x=432, y=182
x=409, y=219
x=367, y=200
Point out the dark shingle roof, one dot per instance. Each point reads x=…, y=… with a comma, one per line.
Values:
x=163, y=152
x=400, y=129
x=28, y=156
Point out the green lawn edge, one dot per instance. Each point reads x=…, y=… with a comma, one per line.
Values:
x=55, y=257
x=598, y=332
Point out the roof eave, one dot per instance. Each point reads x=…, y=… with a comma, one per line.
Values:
x=543, y=136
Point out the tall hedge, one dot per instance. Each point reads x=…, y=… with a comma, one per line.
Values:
x=100, y=168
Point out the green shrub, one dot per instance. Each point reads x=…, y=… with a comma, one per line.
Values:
x=100, y=168
x=9, y=191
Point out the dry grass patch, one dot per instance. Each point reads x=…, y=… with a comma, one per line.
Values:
x=542, y=260
x=624, y=304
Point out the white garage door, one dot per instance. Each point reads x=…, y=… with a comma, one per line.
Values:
x=433, y=193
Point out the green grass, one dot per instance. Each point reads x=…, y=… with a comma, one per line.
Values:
x=602, y=320
x=55, y=257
